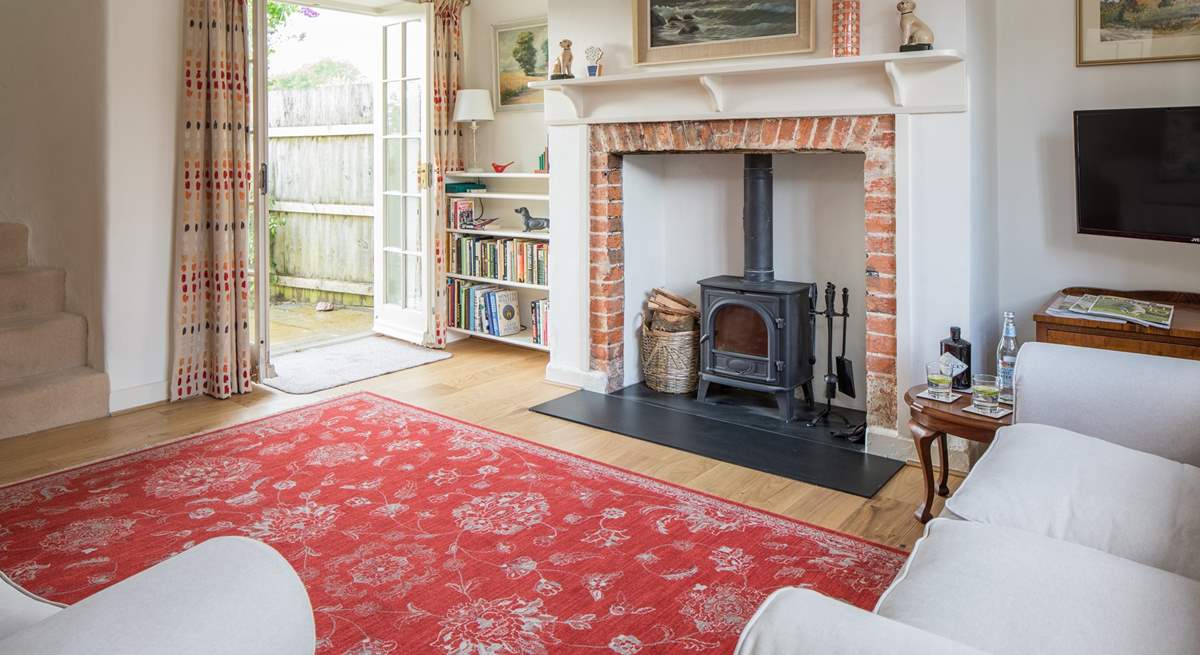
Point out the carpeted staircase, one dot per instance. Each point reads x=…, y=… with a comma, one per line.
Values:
x=45, y=381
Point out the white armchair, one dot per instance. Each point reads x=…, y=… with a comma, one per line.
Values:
x=226, y=596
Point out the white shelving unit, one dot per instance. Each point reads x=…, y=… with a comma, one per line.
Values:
x=509, y=189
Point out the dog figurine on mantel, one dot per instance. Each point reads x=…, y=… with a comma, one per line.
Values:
x=532, y=223
x=915, y=35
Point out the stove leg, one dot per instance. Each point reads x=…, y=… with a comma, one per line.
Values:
x=702, y=390
x=810, y=401
x=784, y=400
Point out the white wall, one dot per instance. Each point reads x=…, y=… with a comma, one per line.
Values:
x=683, y=223
x=142, y=97
x=516, y=134
x=52, y=139
x=1038, y=88
x=608, y=24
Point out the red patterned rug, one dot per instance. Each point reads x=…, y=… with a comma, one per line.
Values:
x=417, y=533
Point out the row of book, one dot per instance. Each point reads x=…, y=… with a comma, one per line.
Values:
x=541, y=320
x=484, y=308
x=511, y=260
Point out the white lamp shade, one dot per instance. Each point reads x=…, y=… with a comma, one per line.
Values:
x=473, y=105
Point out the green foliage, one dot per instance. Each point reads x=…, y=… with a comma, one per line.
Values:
x=326, y=72
x=525, y=53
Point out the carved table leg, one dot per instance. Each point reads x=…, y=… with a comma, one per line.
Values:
x=943, y=489
x=923, y=437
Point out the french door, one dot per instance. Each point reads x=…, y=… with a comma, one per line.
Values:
x=404, y=231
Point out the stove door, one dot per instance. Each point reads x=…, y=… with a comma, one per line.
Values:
x=743, y=336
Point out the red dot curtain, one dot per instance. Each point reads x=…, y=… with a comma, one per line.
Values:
x=445, y=83
x=211, y=317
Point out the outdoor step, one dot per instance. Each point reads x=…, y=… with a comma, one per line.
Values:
x=41, y=402
x=14, y=245
x=33, y=345
x=29, y=291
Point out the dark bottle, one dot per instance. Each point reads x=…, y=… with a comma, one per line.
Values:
x=960, y=348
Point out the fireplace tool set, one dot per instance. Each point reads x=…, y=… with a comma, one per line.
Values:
x=839, y=372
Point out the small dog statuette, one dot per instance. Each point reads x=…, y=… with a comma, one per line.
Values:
x=562, y=65
x=533, y=223
x=915, y=35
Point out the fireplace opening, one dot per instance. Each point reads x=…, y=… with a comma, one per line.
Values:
x=757, y=333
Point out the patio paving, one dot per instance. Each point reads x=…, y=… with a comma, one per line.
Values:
x=296, y=325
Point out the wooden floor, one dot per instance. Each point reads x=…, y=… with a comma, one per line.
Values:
x=492, y=385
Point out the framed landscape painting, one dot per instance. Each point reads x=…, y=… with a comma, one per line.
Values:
x=1134, y=31
x=667, y=31
x=522, y=51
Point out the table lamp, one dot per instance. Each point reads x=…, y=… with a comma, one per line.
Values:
x=472, y=106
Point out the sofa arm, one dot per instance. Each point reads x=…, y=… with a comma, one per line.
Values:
x=1147, y=403
x=229, y=595
x=795, y=621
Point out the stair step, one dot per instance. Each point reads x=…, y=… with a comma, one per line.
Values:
x=33, y=345
x=14, y=245
x=33, y=290
x=41, y=402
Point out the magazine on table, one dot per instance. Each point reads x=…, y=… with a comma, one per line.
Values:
x=1062, y=307
x=1141, y=312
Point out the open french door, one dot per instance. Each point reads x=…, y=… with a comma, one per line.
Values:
x=404, y=230
x=261, y=350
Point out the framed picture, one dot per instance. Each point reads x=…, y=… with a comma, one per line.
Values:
x=522, y=51
x=1136, y=31
x=668, y=31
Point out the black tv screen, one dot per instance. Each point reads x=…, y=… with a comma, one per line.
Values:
x=1137, y=173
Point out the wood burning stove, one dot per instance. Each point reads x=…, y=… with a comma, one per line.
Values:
x=758, y=333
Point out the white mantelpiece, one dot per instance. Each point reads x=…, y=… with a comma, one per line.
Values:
x=893, y=83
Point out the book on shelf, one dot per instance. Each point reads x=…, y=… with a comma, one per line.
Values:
x=505, y=259
x=462, y=213
x=484, y=308
x=540, y=313
x=1114, y=309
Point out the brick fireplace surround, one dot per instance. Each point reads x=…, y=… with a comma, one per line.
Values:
x=874, y=136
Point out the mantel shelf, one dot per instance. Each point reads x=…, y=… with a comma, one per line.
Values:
x=918, y=82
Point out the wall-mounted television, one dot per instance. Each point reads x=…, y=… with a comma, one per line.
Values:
x=1137, y=173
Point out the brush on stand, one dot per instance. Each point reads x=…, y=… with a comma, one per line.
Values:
x=845, y=374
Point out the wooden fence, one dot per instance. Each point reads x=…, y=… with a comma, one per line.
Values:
x=321, y=188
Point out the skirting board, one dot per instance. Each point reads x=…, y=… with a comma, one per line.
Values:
x=123, y=400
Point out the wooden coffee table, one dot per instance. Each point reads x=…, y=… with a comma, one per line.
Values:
x=932, y=420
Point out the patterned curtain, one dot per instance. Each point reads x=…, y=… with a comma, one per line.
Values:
x=211, y=319
x=447, y=155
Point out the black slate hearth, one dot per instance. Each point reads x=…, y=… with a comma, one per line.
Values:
x=734, y=426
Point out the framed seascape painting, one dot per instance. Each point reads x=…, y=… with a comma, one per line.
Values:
x=668, y=31
x=1134, y=31
x=522, y=51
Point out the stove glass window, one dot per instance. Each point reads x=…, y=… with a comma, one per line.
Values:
x=740, y=330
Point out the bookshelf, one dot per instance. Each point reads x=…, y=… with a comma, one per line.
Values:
x=484, y=265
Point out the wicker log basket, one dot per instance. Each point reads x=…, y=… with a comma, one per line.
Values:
x=670, y=344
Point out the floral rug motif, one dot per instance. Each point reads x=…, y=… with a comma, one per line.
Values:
x=418, y=533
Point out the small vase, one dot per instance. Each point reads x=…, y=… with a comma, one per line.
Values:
x=595, y=71
x=847, y=26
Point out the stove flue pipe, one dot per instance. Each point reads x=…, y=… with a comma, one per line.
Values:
x=758, y=218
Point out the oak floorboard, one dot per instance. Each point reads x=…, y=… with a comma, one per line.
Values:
x=492, y=385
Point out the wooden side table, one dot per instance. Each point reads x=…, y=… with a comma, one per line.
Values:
x=1182, y=340
x=932, y=420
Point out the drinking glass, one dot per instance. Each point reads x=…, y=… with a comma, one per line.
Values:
x=986, y=395
x=939, y=381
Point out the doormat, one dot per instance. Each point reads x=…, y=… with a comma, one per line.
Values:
x=732, y=429
x=325, y=367
x=418, y=533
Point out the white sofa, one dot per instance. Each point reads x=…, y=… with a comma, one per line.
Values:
x=1077, y=532
x=226, y=596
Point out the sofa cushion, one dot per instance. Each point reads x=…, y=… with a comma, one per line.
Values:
x=1068, y=486
x=20, y=609
x=1003, y=590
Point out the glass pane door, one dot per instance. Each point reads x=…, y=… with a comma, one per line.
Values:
x=403, y=262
